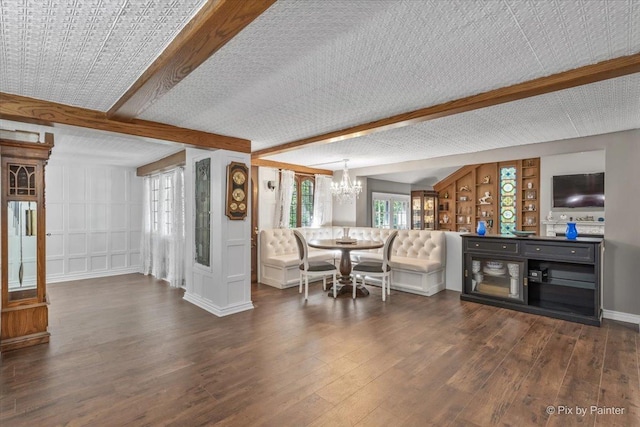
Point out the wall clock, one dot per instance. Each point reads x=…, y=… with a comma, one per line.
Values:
x=237, y=181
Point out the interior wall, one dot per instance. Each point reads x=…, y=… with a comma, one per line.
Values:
x=567, y=164
x=345, y=214
x=364, y=216
x=94, y=220
x=267, y=197
x=622, y=231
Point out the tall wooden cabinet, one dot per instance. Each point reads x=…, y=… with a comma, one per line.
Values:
x=424, y=210
x=502, y=194
x=24, y=314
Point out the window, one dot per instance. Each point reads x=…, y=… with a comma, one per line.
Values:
x=301, y=213
x=390, y=210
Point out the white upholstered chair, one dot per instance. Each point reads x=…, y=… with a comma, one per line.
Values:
x=313, y=269
x=377, y=268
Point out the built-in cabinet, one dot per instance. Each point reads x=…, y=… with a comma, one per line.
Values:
x=552, y=276
x=24, y=319
x=424, y=210
x=502, y=194
x=529, y=180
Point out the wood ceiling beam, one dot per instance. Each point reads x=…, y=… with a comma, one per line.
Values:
x=290, y=166
x=20, y=108
x=167, y=163
x=217, y=22
x=567, y=79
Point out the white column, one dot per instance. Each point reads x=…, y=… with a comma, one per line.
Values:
x=224, y=287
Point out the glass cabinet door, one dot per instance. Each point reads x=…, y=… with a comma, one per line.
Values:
x=416, y=213
x=22, y=250
x=429, y=212
x=495, y=278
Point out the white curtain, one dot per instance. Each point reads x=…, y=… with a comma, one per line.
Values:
x=283, y=201
x=176, y=240
x=322, y=202
x=147, y=221
x=163, y=235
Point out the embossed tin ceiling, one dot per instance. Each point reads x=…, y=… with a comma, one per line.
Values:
x=308, y=67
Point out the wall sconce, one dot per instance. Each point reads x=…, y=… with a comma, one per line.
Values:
x=271, y=185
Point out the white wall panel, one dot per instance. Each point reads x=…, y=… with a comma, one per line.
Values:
x=98, y=242
x=98, y=182
x=236, y=263
x=98, y=263
x=77, y=216
x=55, y=217
x=77, y=244
x=98, y=216
x=135, y=215
x=55, y=184
x=119, y=216
x=94, y=214
x=134, y=259
x=55, y=267
x=76, y=265
x=236, y=292
x=118, y=241
x=55, y=245
x=118, y=261
x=118, y=185
x=134, y=240
x=75, y=181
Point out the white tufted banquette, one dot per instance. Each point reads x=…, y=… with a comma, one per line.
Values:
x=418, y=256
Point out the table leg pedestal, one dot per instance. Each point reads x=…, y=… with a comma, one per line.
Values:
x=344, y=282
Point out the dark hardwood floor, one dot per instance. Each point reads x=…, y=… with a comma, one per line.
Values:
x=128, y=350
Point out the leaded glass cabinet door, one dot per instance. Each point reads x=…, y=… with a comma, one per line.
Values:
x=508, y=199
x=203, y=212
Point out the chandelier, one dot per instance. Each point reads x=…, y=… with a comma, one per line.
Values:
x=345, y=190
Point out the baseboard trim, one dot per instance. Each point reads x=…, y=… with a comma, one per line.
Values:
x=207, y=305
x=621, y=317
x=92, y=275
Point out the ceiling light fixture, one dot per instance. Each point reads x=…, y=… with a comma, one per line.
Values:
x=345, y=190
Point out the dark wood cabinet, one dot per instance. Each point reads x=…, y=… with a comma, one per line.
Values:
x=550, y=276
x=24, y=314
x=424, y=210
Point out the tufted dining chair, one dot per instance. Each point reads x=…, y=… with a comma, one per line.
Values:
x=313, y=269
x=377, y=268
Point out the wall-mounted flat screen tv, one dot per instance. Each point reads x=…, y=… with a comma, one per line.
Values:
x=579, y=191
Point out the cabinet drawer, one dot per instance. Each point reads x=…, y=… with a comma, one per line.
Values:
x=486, y=245
x=560, y=251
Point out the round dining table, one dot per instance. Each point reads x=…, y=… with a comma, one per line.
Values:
x=345, y=247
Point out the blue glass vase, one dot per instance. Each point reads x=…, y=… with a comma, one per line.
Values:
x=482, y=228
x=572, y=231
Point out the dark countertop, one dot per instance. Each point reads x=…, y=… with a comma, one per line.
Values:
x=547, y=238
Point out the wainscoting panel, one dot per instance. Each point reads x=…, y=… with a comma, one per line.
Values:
x=94, y=215
x=55, y=245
